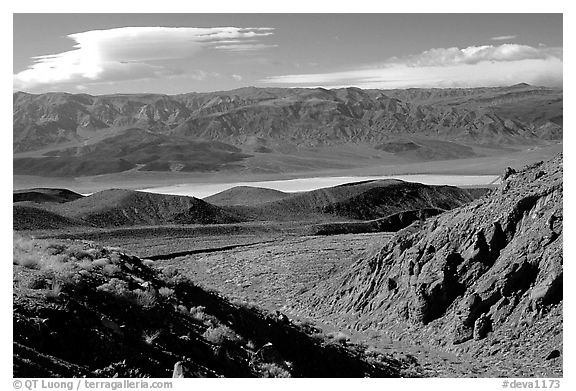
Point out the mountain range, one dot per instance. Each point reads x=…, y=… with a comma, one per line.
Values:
x=61, y=134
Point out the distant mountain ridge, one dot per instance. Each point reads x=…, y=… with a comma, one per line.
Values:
x=280, y=120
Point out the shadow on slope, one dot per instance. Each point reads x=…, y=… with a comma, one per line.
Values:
x=42, y=195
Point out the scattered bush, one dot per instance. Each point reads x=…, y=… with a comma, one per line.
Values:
x=145, y=299
x=148, y=262
x=150, y=337
x=221, y=334
x=41, y=281
x=166, y=292
x=115, y=287
x=111, y=270
x=86, y=265
x=30, y=261
x=101, y=262
x=54, y=292
x=339, y=337
x=198, y=312
x=272, y=370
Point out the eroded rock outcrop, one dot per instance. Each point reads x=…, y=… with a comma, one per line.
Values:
x=483, y=275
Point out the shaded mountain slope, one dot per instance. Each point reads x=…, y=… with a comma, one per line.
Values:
x=82, y=310
x=132, y=148
x=111, y=208
x=363, y=200
x=42, y=195
x=245, y=195
x=28, y=216
x=484, y=279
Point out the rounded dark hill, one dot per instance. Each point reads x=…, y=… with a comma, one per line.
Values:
x=27, y=217
x=365, y=200
x=484, y=279
x=41, y=195
x=246, y=195
x=116, y=207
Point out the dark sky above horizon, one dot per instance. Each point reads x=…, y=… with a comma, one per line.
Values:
x=176, y=53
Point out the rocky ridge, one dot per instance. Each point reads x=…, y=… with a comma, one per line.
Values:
x=484, y=279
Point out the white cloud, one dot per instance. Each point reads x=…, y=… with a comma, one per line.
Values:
x=446, y=67
x=476, y=54
x=503, y=38
x=132, y=53
x=237, y=77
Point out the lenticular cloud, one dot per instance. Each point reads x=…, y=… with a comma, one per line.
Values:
x=126, y=53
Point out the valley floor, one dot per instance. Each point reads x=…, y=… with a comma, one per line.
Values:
x=353, y=166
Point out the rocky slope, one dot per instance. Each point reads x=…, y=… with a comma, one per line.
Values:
x=484, y=279
x=83, y=310
x=434, y=125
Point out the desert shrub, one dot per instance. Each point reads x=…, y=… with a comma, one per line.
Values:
x=166, y=292
x=56, y=263
x=197, y=312
x=148, y=262
x=150, y=337
x=95, y=253
x=77, y=251
x=54, y=292
x=339, y=337
x=26, y=252
x=40, y=281
x=110, y=270
x=101, y=262
x=170, y=272
x=114, y=257
x=221, y=334
x=86, y=265
x=272, y=370
x=55, y=248
x=172, y=276
x=30, y=261
x=182, y=309
x=145, y=299
x=115, y=287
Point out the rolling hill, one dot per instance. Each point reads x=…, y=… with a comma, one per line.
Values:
x=115, y=208
x=246, y=195
x=366, y=200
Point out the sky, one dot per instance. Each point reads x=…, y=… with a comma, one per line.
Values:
x=179, y=53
